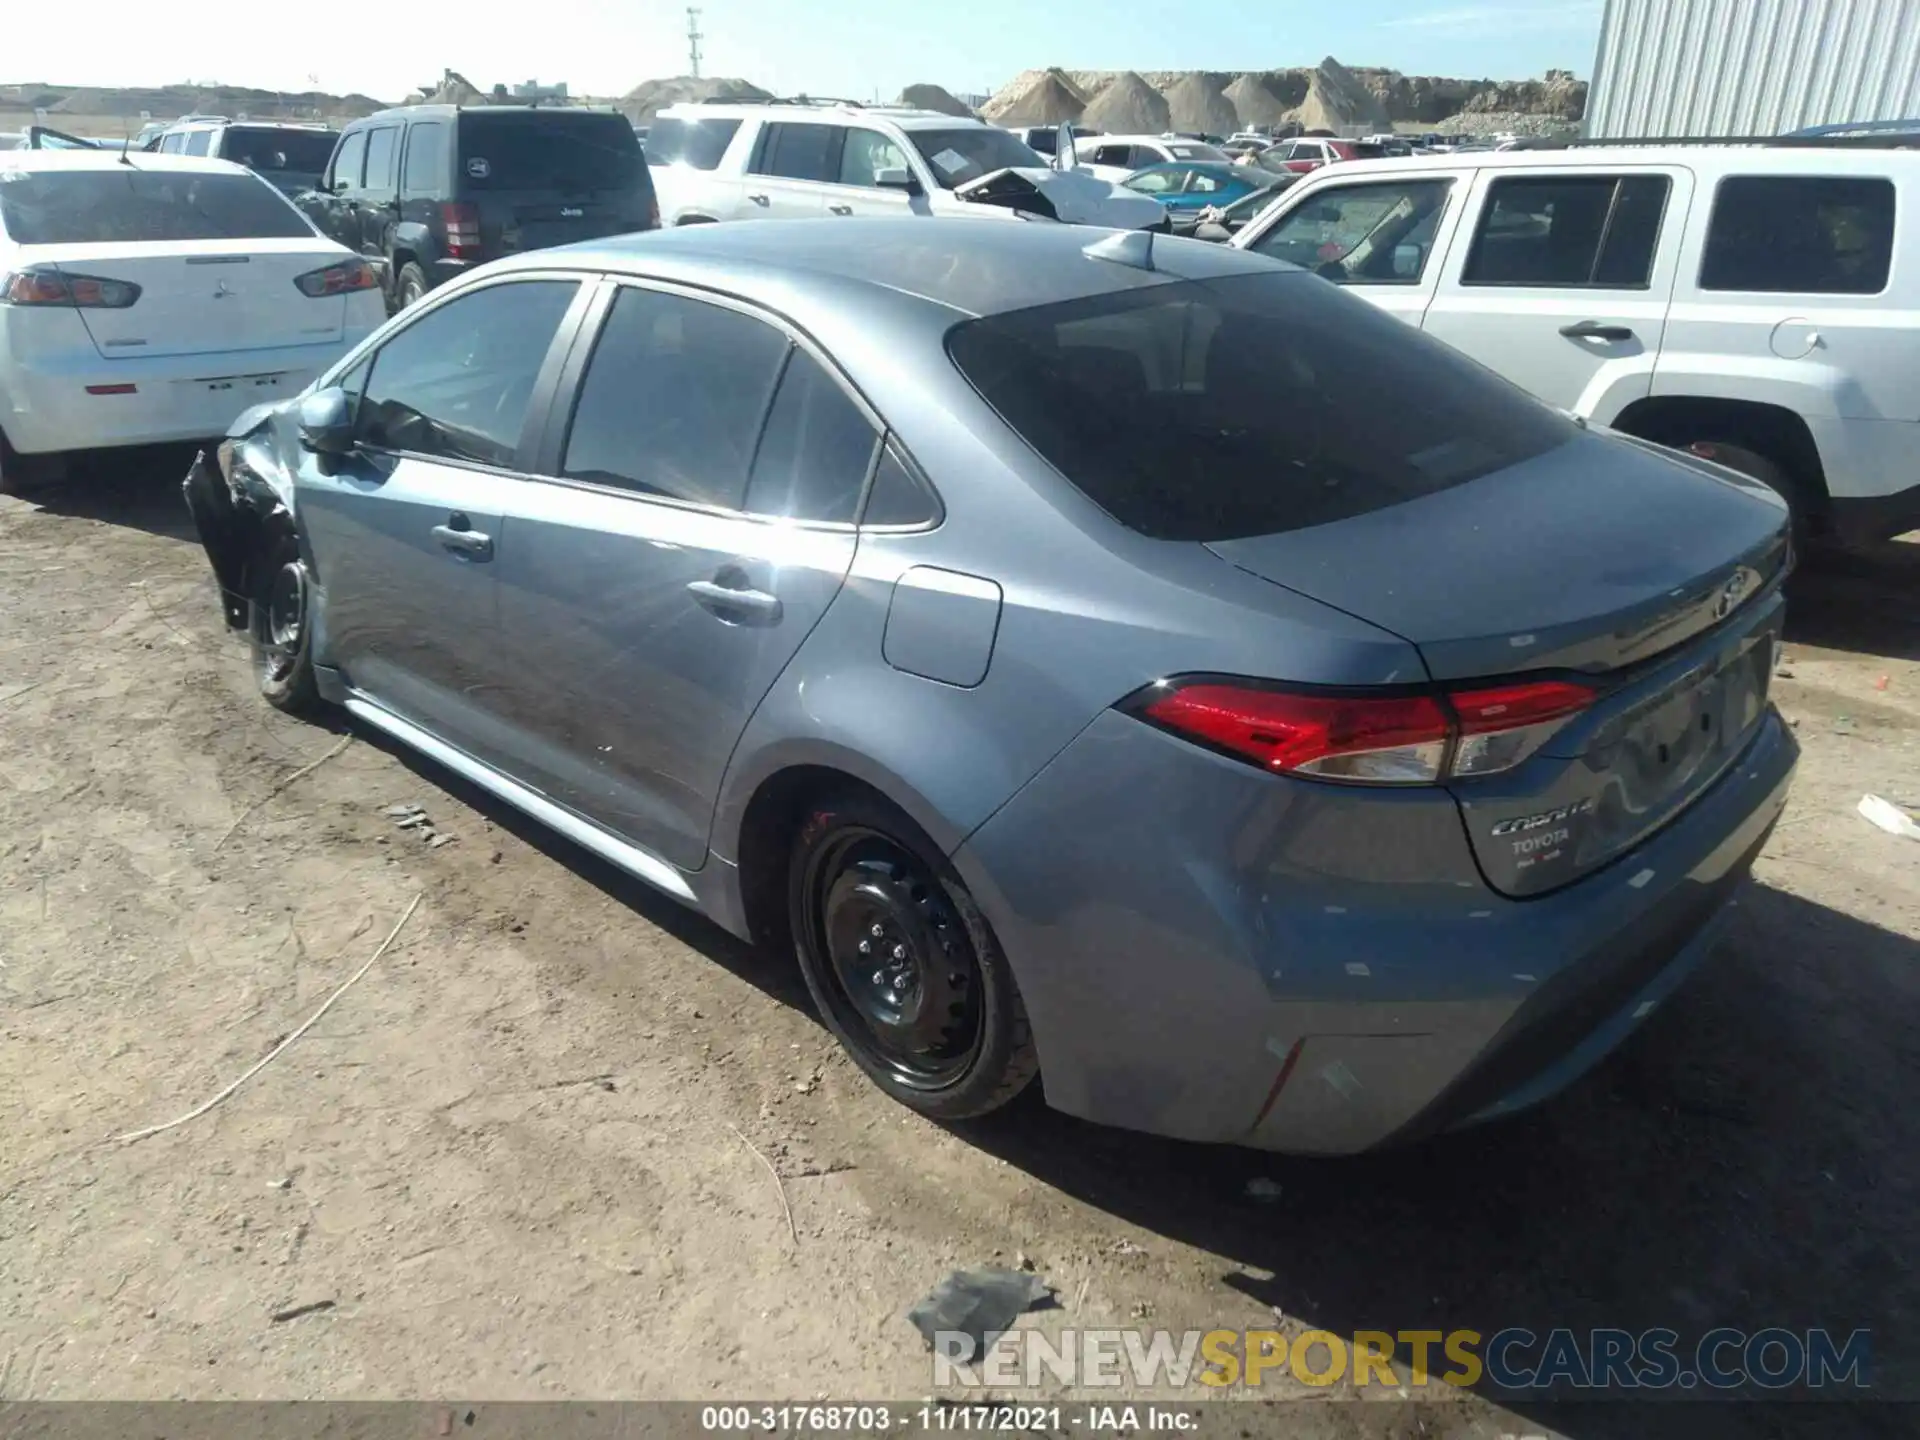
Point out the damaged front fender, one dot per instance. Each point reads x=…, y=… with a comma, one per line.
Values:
x=241, y=500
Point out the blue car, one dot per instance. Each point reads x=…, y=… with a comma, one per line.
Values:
x=1193, y=185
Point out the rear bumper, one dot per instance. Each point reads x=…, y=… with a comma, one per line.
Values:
x=1862, y=519
x=1214, y=954
x=45, y=406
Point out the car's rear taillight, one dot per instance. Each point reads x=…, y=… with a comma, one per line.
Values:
x=463, y=230
x=1395, y=738
x=38, y=285
x=347, y=276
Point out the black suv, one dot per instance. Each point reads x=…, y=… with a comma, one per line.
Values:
x=427, y=191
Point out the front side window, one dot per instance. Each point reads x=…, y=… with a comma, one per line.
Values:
x=673, y=398
x=100, y=207
x=1800, y=234
x=1378, y=234
x=800, y=152
x=457, y=382
x=1568, y=232
x=1215, y=410
x=815, y=451
x=345, y=174
x=426, y=164
x=1117, y=155
x=865, y=154
x=969, y=151
x=381, y=144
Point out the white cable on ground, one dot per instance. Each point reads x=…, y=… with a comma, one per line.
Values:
x=312, y=1019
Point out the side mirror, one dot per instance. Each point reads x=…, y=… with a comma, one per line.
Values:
x=1406, y=261
x=1066, y=155
x=1214, y=231
x=326, y=423
x=896, y=177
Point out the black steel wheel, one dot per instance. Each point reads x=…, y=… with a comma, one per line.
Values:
x=902, y=964
x=282, y=639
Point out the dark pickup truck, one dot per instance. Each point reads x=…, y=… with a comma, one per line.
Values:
x=425, y=192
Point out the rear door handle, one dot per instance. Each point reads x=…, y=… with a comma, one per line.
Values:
x=458, y=536
x=1594, y=330
x=758, y=199
x=735, y=604
x=840, y=209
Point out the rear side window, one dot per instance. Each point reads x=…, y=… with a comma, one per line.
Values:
x=673, y=399
x=800, y=152
x=1246, y=406
x=456, y=383
x=346, y=165
x=1569, y=232
x=815, y=451
x=198, y=141
x=275, y=151
x=896, y=498
x=1800, y=234
x=553, y=150
x=54, y=207
x=426, y=163
x=381, y=145
x=698, y=144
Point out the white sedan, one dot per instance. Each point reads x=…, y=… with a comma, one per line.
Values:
x=152, y=298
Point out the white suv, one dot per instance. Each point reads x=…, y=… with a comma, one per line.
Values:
x=793, y=160
x=1756, y=304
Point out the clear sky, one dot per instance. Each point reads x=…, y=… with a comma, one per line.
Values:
x=829, y=47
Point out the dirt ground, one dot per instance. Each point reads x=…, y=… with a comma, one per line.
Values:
x=518, y=1158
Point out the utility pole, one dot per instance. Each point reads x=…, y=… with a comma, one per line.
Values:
x=694, y=37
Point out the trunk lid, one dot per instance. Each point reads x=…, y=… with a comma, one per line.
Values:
x=208, y=296
x=1652, y=578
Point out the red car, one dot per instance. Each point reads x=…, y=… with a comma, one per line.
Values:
x=1312, y=151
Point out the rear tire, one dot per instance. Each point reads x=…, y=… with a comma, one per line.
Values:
x=282, y=637
x=1756, y=466
x=902, y=965
x=411, y=287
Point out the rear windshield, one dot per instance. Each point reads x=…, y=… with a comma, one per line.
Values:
x=1213, y=410
x=52, y=207
x=554, y=150
x=295, y=152
x=695, y=143
x=959, y=155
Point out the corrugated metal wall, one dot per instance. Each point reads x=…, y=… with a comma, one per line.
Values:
x=1752, y=67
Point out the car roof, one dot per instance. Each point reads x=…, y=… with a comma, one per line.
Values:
x=39, y=160
x=1745, y=159
x=905, y=117
x=970, y=266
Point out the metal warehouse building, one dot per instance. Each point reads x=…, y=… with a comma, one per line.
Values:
x=1752, y=67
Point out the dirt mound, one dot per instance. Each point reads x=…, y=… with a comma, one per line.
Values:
x=1196, y=103
x=1128, y=106
x=1253, y=103
x=1037, y=97
x=455, y=89
x=1338, y=101
x=934, y=97
x=651, y=96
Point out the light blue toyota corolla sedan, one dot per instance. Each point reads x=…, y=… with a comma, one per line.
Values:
x=1128, y=661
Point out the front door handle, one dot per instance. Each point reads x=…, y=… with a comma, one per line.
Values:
x=1594, y=330
x=758, y=199
x=458, y=536
x=736, y=605
x=840, y=209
